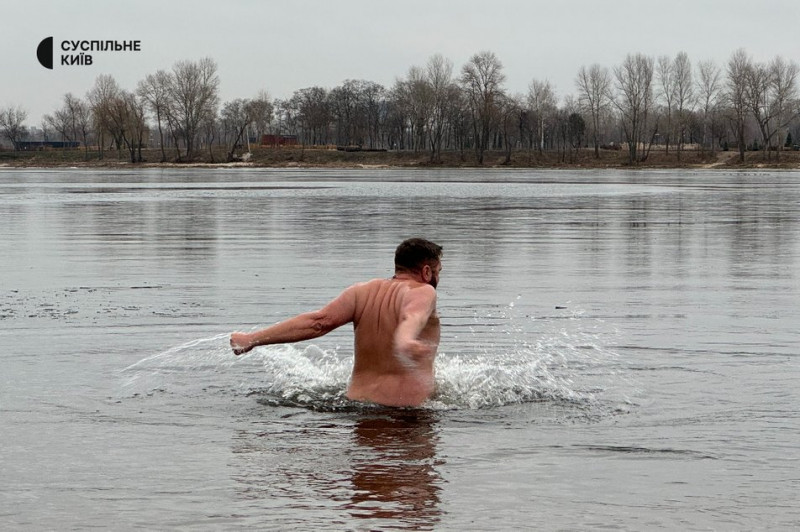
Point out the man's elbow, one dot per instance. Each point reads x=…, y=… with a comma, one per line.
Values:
x=319, y=327
x=321, y=324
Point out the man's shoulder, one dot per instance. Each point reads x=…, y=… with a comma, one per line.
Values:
x=415, y=291
x=396, y=286
x=371, y=284
x=376, y=285
x=422, y=290
x=368, y=287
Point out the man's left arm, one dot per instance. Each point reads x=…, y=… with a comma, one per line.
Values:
x=419, y=305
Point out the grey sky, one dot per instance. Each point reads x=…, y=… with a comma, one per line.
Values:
x=282, y=46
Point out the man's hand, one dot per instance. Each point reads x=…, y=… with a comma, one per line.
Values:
x=415, y=353
x=416, y=349
x=240, y=343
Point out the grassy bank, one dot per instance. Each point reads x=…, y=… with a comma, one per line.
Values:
x=308, y=157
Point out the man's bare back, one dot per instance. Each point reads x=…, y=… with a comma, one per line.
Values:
x=395, y=325
x=396, y=337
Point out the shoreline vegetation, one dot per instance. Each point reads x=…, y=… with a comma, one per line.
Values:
x=307, y=157
x=647, y=112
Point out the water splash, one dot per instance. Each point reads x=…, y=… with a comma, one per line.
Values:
x=302, y=376
x=165, y=358
x=562, y=368
x=505, y=360
x=507, y=357
x=196, y=362
x=292, y=374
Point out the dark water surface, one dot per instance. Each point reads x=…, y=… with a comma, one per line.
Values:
x=619, y=350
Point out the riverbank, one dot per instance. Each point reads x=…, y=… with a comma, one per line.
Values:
x=322, y=158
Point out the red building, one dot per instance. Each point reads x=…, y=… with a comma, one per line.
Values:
x=279, y=140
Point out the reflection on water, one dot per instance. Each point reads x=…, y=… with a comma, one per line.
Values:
x=395, y=474
x=377, y=465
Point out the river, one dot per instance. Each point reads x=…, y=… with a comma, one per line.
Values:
x=619, y=350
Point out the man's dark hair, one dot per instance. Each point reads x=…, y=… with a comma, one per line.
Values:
x=414, y=253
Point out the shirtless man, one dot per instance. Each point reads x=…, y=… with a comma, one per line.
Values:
x=395, y=324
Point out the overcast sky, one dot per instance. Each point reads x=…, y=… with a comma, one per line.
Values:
x=282, y=46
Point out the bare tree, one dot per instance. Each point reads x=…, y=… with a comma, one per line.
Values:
x=667, y=94
x=80, y=116
x=758, y=87
x=12, y=124
x=527, y=128
x=594, y=89
x=209, y=131
x=784, y=89
x=576, y=130
x=410, y=107
x=342, y=102
x=510, y=109
x=544, y=106
x=576, y=127
x=482, y=79
x=277, y=125
x=138, y=125
x=45, y=127
x=738, y=72
x=419, y=102
x=72, y=121
x=684, y=96
x=239, y=115
x=127, y=123
x=314, y=114
x=353, y=108
x=459, y=120
x=568, y=130
x=398, y=118
x=372, y=110
x=261, y=109
x=440, y=80
x=154, y=90
x=117, y=121
x=635, y=103
x=769, y=89
x=709, y=90
x=59, y=122
x=194, y=88
x=101, y=97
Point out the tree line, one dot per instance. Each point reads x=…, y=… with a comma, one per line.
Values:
x=642, y=102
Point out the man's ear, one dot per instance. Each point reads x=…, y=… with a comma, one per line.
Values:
x=427, y=273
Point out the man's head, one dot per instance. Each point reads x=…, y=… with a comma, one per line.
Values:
x=421, y=257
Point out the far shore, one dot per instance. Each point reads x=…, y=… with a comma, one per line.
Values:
x=299, y=157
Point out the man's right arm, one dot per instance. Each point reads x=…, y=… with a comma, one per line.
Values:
x=301, y=327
